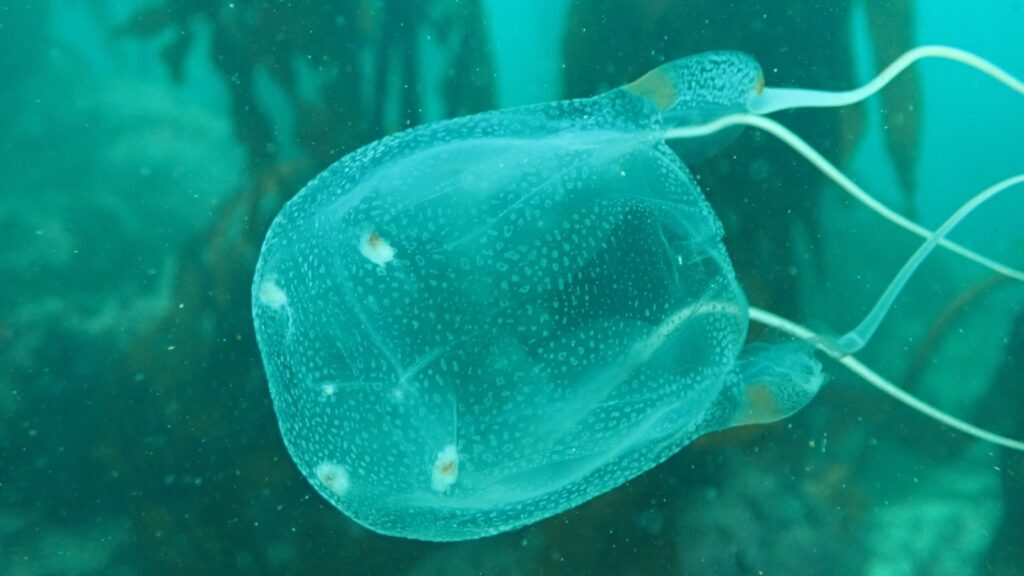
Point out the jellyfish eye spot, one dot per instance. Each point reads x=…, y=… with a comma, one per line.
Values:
x=446, y=469
x=272, y=295
x=334, y=476
x=376, y=249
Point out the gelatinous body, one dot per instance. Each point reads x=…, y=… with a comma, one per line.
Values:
x=479, y=323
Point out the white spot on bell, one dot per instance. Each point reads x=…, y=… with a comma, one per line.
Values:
x=376, y=249
x=334, y=477
x=446, y=469
x=272, y=295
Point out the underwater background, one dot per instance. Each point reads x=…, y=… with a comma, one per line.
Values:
x=145, y=147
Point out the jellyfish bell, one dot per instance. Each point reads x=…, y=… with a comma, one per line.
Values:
x=477, y=324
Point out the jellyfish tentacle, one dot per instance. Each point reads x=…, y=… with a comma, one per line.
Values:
x=880, y=382
x=855, y=339
x=842, y=348
x=772, y=100
x=839, y=178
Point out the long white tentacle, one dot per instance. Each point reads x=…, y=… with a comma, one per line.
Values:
x=878, y=381
x=837, y=176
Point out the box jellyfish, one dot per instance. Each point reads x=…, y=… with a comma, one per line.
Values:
x=477, y=324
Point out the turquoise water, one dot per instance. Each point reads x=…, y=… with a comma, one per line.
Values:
x=146, y=147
